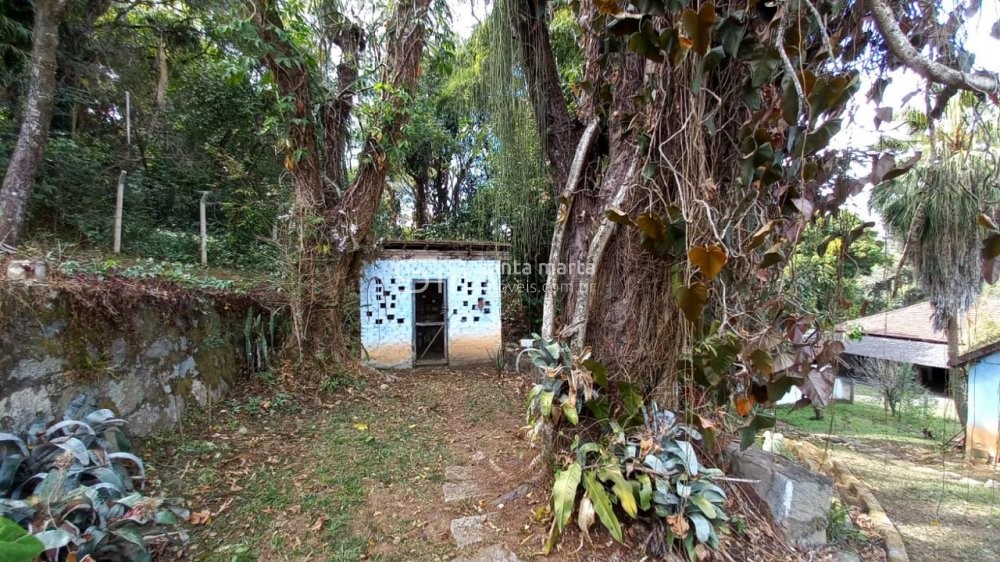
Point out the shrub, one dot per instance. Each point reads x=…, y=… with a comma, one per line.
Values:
x=73, y=486
x=896, y=382
x=644, y=462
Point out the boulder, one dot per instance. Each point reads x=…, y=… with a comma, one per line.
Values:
x=798, y=497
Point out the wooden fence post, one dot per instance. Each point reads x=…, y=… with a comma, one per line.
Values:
x=204, y=228
x=119, y=203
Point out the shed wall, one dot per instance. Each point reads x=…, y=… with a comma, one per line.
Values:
x=983, y=425
x=386, y=295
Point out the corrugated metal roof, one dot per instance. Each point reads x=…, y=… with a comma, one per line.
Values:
x=928, y=354
x=979, y=327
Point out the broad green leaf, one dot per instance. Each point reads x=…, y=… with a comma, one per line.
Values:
x=622, y=489
x=709, y=63
x=731, y=31
x=675, y=46
x=545, y=403
x=645, y=491
x=762, y=361
x=641, y=44
x=789, y=101
x=704, y=505
x=564, y=493
x=749, y=432
x=691, y=300
x=602, y=505
x=16, y=545
x=570, y=412
x=763, y=67
x=698, y=26
x=599, y=372
x=702, y=526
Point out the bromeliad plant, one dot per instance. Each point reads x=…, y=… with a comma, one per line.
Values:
x=73, y=487
x=653, y=474
x=566, y=383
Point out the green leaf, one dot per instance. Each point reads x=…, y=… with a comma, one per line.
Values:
x=599, y=372
x=602, y=505
x=709, y=63
x=763, y=67
x=644, y=43
x=570, y=412
x=622, y=489
x=704, y=505
x=691, y=300
x=675, y=46
x=702, y=526
x=731, y=31
x=762, y=361
x=16, y=545
x=749, y=432
x=545, y=403
x=698, y=26
x=564, y=493
x=645, y=491
x=789, y=101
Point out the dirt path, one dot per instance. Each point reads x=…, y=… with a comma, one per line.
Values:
x=358, y=473
x=939, y=503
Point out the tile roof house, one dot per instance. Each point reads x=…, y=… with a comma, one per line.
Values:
x=907, y=335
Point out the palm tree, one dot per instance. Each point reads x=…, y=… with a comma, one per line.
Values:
x=932, y=210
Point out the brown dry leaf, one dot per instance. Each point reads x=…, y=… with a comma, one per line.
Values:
x=203, y=517
x=319, y=523
x=679, y=525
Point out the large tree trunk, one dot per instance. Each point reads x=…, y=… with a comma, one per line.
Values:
x=331, y=252
x=613, y=294
x=27, y=156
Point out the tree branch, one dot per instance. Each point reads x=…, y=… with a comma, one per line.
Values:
x=900, y=46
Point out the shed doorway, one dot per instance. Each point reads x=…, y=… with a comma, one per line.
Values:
x=430, y=326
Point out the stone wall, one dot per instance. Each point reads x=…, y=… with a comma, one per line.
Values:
x=146, y=355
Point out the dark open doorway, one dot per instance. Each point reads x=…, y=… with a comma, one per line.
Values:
x=430, y=327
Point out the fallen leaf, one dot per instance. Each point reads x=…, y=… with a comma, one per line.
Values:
x=678, y=524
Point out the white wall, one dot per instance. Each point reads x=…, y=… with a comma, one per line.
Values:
x=387, y=308
x=983, y=422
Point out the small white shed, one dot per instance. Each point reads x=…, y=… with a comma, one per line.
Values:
x=432, y=302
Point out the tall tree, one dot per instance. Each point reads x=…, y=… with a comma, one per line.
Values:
x=931, y=211
x=704, y=127
x=335, y=223
x=37, y=115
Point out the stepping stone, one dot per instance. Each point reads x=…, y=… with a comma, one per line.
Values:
x=469, y=530
x=453, y=473
x=460, y=491
x=494, y=553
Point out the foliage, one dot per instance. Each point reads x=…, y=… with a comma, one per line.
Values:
x=16, y=545
x=828, y=267
x=645, y=462
x=940, y=199
x=652, y=473
x=567, y=383
x=73, y=487
x=896, y=382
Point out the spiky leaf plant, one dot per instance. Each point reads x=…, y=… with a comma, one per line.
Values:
x=73, y=487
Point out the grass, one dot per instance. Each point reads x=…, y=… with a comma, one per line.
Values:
x=924, y=484
x=349, y=453
x=867, y=420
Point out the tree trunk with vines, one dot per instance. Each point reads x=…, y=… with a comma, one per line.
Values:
x=335, y=223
